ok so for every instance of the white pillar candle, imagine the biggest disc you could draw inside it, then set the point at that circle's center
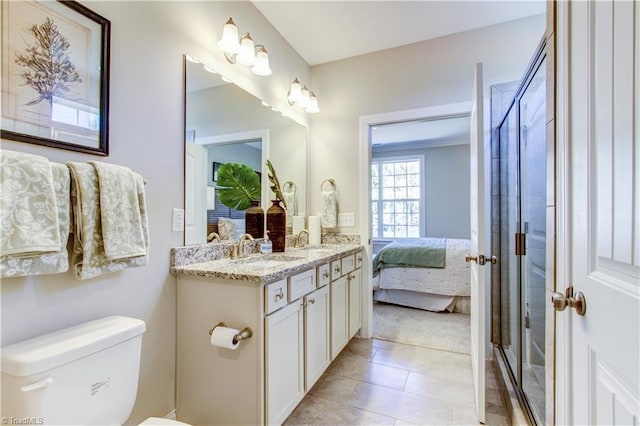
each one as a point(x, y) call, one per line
point(314, 229)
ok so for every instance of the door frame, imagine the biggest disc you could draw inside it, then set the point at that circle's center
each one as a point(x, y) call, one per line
point(365, 124)
point(562, 397)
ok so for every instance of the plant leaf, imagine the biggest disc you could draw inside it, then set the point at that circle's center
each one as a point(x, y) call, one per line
point(275, 184)
point(238, 185)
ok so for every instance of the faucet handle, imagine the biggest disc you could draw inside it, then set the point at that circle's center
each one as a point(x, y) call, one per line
point(233, 251)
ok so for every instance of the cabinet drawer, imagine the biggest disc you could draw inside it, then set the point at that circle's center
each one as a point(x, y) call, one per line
point(301, 284)
point(359, 259)
point(275, 296)
point(348, 263)
point(323, 275)
point(336, 269)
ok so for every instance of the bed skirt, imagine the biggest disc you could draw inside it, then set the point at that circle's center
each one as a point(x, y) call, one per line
point(426, 301)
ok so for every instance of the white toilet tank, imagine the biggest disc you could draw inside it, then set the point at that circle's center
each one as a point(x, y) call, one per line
point(82, 375)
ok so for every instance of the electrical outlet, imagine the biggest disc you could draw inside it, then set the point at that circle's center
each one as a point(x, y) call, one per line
point(346, 219)
point(177, 220)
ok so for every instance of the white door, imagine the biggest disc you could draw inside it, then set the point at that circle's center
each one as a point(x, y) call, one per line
point(195, 198)
point(477, 241)
point(599, 197)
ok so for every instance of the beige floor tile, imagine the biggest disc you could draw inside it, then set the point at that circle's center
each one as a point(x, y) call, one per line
point(441, 388)
point(364, 348)
point(355, 367)
point(333, 387)
point(401, 405)
point(319, 411)
point(465, 415)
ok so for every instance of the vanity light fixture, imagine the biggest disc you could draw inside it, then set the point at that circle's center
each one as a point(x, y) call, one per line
point(300, 96)
point(245, 51)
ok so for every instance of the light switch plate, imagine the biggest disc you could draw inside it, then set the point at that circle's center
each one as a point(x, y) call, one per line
point(177, 220)
point(346, 219)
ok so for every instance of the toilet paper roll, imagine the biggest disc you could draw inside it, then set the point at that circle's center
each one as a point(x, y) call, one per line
point(298, 224)
point(314, 229)
point(223, 337)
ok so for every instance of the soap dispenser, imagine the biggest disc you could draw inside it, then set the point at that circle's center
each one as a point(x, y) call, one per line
point(266, 246)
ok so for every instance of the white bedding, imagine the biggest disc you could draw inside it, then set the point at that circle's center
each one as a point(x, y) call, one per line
point(452, 280)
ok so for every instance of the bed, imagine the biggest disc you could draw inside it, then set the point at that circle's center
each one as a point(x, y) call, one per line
point(425, 273)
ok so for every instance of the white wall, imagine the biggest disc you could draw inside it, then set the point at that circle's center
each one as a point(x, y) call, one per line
point(146, 134)
point(430, 73)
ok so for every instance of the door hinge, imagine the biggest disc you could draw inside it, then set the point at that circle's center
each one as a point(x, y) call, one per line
point(521, 244)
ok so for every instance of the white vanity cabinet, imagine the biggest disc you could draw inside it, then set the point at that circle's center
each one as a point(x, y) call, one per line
point(300, 323)
point(346, 300)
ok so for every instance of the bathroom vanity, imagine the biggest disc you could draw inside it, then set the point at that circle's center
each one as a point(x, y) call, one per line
point(303, 306)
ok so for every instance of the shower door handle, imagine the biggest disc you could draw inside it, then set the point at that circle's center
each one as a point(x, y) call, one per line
point(561, 301)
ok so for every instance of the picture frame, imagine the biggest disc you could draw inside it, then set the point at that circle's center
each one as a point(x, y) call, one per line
point(216, 166)
point(67, 108)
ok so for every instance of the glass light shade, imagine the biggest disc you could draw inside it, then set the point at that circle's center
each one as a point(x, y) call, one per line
point(229, 41)
point(304, 99)
point(261, 66)
point(312, 108)
point(295, 92)
point(247, 53)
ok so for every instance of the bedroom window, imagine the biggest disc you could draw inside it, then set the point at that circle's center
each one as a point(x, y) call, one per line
point(396, 197)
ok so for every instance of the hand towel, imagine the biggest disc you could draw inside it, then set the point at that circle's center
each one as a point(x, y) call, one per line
point(289, 195)
point(88, 255)
point(329, 208)
point(52, 262)
point(119, 212)
point(28, 209)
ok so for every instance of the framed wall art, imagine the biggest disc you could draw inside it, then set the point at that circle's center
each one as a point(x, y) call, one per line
point(55, 75)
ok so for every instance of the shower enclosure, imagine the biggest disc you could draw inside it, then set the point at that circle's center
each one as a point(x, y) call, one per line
point(520, 198)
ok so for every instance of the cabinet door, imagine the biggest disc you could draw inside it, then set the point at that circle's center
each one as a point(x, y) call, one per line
point(316, 341)
point(355, 301)
point(339, 316)
point(284, 362)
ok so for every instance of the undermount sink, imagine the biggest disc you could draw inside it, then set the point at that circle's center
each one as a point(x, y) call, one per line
point(268, 260)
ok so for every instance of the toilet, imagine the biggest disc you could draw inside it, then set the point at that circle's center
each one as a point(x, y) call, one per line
point(82, 375)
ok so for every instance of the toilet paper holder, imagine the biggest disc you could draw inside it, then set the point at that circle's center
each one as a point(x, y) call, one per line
point(244, 334)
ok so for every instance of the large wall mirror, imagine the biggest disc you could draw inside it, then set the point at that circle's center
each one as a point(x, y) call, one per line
point(226, 124)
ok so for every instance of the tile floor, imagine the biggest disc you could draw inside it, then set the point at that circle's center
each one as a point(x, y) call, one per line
point(375, 382)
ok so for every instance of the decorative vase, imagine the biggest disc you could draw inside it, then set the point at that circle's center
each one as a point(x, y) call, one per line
point(277, 225)
point(254, 220)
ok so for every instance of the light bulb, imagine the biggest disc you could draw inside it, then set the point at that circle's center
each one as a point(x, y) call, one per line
point(312, 108)
point(295, 92)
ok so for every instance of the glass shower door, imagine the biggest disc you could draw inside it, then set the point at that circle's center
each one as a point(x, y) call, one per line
point(523, 239)
point(533, 181)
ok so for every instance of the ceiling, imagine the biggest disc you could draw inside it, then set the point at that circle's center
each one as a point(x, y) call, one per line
point(326, 31)
point(438, 132)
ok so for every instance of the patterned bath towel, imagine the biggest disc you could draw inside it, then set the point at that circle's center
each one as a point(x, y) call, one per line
point(89, 257)
point(28, 208)
point(51, 262)
point(122, 229)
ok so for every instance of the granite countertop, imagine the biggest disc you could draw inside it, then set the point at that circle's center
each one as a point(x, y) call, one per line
point(265, 268)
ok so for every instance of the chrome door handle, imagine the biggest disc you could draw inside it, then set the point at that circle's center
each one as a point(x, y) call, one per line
point(561, 301)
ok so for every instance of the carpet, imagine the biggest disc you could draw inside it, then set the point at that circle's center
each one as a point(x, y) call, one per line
point(435, 330)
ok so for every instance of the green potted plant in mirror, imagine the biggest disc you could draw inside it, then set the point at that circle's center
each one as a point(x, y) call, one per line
point(276, 213)
point(239, 188)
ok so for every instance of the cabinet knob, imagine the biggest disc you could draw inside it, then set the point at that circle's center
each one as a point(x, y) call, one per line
point(336, 269)
point(312, 301)
point(325, 274)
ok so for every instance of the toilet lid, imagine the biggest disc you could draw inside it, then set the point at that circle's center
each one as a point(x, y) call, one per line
point(159, 421)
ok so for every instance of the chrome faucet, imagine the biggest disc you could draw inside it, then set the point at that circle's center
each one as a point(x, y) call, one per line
point(213, 237)
point(243, 239)
point(299, 238)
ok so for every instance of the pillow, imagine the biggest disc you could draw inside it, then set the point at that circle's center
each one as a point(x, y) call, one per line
point(230, 229)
